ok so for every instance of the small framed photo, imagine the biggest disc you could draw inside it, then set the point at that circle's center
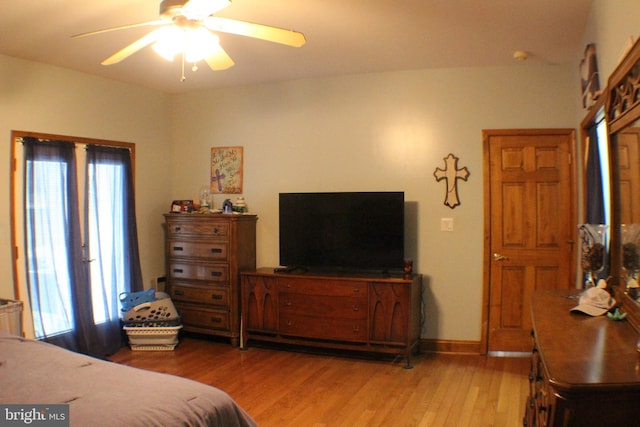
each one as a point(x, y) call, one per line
point(180, 206)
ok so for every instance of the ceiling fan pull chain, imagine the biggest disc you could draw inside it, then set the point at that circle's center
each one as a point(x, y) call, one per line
point(183, 78)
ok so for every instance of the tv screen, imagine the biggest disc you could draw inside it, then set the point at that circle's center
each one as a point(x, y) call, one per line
point(345, 230)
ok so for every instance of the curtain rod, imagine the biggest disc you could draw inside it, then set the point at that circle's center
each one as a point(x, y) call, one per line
point(19, 140)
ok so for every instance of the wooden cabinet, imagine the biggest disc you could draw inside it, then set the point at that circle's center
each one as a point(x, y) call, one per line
point(584, 370)
point(205, 253)
point(372, 313)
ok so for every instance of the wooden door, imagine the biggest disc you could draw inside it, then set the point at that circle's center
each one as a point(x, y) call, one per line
point(530, 228)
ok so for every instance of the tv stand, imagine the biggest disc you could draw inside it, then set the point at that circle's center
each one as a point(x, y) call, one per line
point(347, 311)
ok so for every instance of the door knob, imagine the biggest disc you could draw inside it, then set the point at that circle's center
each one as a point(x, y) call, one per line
point(499, 257)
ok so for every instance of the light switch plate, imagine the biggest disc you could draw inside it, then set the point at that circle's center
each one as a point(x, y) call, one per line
point(446, 224)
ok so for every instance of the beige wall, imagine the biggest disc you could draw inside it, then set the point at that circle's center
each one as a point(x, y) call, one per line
point(39, 98)
point(612, 23)
point(366, 132)
point(377, 132)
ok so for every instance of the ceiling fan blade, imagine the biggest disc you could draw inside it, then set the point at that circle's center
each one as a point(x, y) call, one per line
point(203, 8)
point(122, 27)
point(257, 31)
point(219, 60)
point(133, 47)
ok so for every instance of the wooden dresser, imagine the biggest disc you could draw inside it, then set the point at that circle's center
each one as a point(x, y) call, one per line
point(585, 371)
point(204, 256)
point(372, 313)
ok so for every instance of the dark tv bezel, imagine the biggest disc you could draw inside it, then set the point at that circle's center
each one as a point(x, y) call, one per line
point(395, 266)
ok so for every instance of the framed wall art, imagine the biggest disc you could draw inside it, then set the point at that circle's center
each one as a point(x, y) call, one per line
point(226, 170)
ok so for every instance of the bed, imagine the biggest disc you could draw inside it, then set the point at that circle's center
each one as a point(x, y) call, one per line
point(103, 393)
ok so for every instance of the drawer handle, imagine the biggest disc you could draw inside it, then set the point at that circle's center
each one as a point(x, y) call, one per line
point(215, 230)
point(289, 323)
point(356, 290)
point(178, 292)
point(288, 303)
point(356, 308)
point(216, 320)
point(356, 329)
point(216, 296)
point(216, 250)
point(178, 248)
point(177, 229)
point(216, 273)
point(178, 270)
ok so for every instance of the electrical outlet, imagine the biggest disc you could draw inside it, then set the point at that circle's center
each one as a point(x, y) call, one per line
point(446, 224)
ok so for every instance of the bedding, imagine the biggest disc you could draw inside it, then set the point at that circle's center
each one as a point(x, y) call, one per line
point(103, 393)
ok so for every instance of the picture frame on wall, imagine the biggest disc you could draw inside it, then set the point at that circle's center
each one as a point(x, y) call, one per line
point(226, 170)
point(589, 78)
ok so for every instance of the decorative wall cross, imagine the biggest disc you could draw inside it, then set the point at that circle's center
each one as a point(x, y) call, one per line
point(217, 177)
point(451, 174)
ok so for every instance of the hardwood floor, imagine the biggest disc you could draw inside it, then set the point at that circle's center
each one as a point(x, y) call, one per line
point(297, 388)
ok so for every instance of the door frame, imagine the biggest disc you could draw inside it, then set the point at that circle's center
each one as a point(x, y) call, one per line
point(16, 219)
point(486, 164)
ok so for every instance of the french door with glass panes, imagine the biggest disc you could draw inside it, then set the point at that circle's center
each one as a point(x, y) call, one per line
point(71, 267)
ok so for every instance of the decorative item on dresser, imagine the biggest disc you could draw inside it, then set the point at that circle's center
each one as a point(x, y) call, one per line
point(584, 370)
point(205, 253)
point(377, 313)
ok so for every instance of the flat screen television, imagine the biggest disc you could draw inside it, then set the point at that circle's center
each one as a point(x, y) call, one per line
point(342, 231)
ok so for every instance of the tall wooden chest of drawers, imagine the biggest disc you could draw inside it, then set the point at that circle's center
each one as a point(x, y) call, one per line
point(205, 254)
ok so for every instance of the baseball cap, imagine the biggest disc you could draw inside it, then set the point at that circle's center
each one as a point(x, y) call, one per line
point(594, 302)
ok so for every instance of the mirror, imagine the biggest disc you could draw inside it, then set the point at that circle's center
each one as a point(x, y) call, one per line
point(626, 144)
point(622, 110)
point(596, 197)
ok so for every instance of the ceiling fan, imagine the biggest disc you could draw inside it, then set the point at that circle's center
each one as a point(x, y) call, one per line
point(187, 28)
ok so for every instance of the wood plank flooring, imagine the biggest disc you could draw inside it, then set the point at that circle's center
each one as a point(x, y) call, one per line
point(282, 388)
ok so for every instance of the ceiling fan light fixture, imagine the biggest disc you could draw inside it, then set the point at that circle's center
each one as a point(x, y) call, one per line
point(170, 42)
point(195, 43)
point(199, 43)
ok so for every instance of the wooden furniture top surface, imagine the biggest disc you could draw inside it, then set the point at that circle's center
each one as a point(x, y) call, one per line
point(400, 278)
point(583, 353)
point(209, 216)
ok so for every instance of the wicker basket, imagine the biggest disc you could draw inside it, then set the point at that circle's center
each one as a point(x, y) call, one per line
point(158, 313)
point(11, 316)
point(152, 338)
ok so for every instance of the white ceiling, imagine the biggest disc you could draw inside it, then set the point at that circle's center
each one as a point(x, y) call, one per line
point(343, 37)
